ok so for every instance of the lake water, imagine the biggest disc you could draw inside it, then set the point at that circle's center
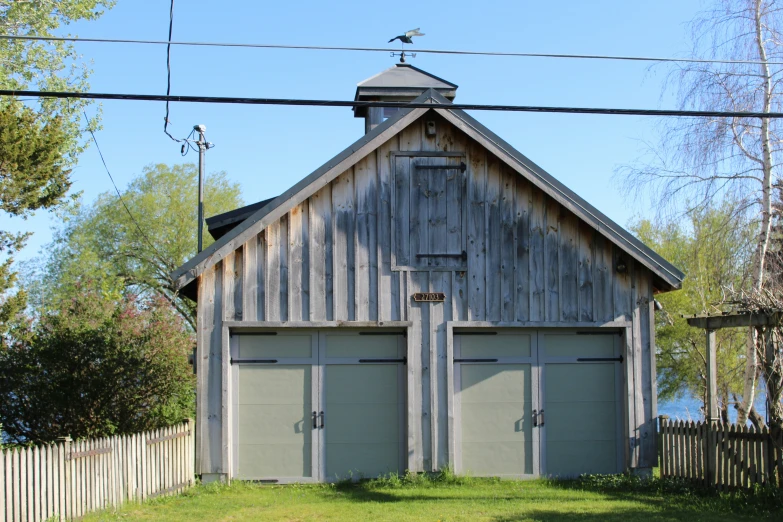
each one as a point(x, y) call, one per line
point(687, 408)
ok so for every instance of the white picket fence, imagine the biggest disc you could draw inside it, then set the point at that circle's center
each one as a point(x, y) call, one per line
point(68, 479)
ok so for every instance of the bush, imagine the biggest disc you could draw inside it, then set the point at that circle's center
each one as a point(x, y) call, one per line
point(98, 367)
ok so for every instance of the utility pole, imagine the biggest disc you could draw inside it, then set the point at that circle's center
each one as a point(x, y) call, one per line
point(203, 145)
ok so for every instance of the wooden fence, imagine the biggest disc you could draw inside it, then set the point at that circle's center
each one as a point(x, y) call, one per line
point(722, 456)
point(71, 478)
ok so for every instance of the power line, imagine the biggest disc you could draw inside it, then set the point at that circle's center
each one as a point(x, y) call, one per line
point(389, 50)
point(119, 194)
point(168, 73)
point(400, 104)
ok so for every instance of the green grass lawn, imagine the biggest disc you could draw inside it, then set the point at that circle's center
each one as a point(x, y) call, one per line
point(451, 498)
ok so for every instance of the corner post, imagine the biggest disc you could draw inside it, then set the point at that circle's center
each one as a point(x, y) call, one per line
point(712, 405)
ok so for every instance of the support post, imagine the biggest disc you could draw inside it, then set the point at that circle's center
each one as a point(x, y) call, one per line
point(712, 406)
point(202, 148)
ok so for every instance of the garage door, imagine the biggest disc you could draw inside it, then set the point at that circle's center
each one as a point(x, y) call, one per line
point(537, 403)
point(318, 405)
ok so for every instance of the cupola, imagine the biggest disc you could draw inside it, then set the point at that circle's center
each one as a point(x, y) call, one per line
point(403, 82)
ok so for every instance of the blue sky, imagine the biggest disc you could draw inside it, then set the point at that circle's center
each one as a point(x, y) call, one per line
point(268, 149)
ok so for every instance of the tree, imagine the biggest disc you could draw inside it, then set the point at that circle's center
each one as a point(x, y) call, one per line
point(100, 366)
point(32, 176)
point(701, 160)
point(38, 143)
point(714, 256)
point(107, 250)
point(48, 65)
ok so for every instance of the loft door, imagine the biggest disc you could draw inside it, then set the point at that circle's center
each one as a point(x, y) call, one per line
point(428, 211)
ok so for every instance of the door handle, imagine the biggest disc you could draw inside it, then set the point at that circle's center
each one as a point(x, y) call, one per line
point(315, 424)
point(542, 418)
point(322, 420)
point(535, 419)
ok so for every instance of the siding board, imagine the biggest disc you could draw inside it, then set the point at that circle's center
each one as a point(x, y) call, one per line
point(477, 184)
point(366, 183)
point(569, 246)
point(507, 245)
point(343, 249)
point(522, 241)
point(492, 234)
point(552, 261)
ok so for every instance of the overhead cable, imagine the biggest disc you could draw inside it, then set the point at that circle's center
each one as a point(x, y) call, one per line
point(119, 194)
point(400, 104)
point(168, 73)
point(390, 50)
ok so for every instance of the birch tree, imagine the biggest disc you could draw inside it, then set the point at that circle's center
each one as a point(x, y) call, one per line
point(699, 161)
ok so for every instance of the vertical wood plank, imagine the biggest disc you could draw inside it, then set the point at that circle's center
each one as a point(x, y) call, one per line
point(250, 280)
point(320, 234)
point(603, 304)
point(343, 249)
point(437, 214)
point(418, 229)
point(261, 275)
point(552, 261)
point(229, 286)
point(440, 313)
point(299, 264)
point(401, 212)
point(586, 253)
point(508, 246)
point(569, 266)
point(366, 185)
point(388, 281)
point(272, 290)
point(537, 266)
point(285, 265)
point(477, 186)
point(522, 204)
point(492, 235)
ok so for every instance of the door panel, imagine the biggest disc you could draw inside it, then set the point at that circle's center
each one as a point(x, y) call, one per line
point(580, 401)
point(283, 346)
point(362, 404)
point(274, 421)
point(496, 417)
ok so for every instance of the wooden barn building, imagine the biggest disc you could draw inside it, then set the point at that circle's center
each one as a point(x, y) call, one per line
point(428, 298)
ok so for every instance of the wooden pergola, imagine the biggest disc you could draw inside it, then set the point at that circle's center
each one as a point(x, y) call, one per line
point(712, 323)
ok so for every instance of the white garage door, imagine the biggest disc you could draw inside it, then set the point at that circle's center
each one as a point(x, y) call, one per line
point(533, 403)
point(318, 405)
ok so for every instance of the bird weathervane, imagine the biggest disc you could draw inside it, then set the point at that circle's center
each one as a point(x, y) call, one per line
point(406, 38)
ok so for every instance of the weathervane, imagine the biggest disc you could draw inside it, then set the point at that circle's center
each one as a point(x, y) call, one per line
point(406, 39)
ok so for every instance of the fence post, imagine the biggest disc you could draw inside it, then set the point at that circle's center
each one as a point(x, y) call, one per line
point(66, 479)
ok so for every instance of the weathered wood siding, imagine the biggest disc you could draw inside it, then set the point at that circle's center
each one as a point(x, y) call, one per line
point(529, 260)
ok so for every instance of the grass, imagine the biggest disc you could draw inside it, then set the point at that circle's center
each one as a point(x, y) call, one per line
point(444, 497)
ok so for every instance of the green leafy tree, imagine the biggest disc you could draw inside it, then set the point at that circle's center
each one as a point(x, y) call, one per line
point(714, 252)
point(39, 142)
point(32, 176)
point(48, 65)
point(100, 366)
point(103, 248)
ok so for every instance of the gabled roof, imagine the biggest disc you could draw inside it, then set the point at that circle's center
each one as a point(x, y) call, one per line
point(219, 224)
point(403, 81)
point(667, 276)
point(405, 75)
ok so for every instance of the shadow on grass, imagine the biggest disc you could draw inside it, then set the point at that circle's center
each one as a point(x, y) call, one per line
point(674, 495)
point(670, 499)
